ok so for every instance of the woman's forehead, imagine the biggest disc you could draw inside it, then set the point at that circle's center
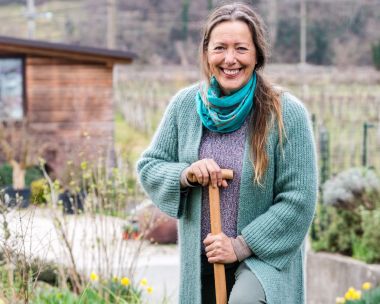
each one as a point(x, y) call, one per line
point(231, 31)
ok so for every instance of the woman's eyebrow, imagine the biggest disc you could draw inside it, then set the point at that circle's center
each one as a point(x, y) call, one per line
point(224, 43)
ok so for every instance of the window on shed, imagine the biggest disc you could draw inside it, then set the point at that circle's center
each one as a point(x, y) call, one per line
point(11, 88)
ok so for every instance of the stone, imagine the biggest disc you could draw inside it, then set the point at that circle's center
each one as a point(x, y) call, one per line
point(156, 226)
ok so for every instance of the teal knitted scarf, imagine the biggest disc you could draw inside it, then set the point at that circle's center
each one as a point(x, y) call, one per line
point(225, 114)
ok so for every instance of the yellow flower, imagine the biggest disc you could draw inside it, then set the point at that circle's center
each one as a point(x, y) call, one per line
point(83, 165)
point(125, 281)
point(340, 300)
point(94, 277)
point(41, 161)
point(353, 294)
point(144, 282)
point(86, 175)
point(366, 286)
point(56, 184)
point(115, 279)
point(349, 294)
point(358, 295)
point(149, 289)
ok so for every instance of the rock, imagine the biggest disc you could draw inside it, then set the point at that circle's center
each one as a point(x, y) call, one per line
point(156, 226)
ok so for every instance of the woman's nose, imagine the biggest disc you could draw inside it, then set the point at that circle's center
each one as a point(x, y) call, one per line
point(230, 57)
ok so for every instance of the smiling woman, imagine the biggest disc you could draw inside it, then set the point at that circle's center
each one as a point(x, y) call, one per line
point(236, 119)
point(231, 55)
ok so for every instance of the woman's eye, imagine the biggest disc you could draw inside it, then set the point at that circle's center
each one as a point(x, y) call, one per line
point(242, 49)
point(219, 48)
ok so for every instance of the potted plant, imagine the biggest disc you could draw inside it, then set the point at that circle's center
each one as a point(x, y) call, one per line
point(72, 202)
point(73, 190)
point(131, 230)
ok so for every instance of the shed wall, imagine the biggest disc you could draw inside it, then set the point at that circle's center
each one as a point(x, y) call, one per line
point(69, 107)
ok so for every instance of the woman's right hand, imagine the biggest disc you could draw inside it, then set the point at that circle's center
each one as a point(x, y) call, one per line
point(205, 171)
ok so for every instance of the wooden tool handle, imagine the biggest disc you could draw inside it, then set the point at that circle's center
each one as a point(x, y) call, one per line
point(215, 220)
point(216, 227)
point(226, 174)
point(220, 284)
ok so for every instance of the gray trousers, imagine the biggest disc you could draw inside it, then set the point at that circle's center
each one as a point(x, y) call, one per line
point(242, 285)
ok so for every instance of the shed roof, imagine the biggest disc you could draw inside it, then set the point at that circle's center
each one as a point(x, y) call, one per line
point(20, 46)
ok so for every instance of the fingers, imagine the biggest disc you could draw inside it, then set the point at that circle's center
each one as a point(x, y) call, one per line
point(204, 175)
point(214, 249)
point(224, 183)
point(207, 171)
point(219, 249)
point(215, 173)
point(210, 239)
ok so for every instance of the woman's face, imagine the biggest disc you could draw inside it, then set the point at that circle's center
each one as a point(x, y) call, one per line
point(231, 55)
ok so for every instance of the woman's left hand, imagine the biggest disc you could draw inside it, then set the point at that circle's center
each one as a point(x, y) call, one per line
point(219, 249)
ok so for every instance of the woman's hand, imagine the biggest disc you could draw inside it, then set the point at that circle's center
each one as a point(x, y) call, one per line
point(206, 170)
point(219, 249)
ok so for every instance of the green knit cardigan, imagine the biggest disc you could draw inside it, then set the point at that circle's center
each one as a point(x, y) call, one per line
point(273, 218)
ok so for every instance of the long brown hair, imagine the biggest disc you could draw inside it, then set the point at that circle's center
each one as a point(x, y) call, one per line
point(267, 104)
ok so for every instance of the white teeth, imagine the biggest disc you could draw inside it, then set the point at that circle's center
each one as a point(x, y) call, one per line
point(231, 72)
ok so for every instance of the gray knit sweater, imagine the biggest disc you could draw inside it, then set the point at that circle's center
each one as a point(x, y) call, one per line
point(227, 150)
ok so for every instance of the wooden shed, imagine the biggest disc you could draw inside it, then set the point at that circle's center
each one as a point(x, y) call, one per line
point(63, 92)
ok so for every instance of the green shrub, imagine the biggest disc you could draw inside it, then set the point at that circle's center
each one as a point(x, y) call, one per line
point(54, 296)
point(376, 55)
point(343, 230)
point(96, 292)
point(368, 249)
point(32, 174)
point(5, 175)
point(352, 188)
point(347, 222)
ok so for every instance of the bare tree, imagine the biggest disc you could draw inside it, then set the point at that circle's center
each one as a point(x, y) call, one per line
point(15, 145)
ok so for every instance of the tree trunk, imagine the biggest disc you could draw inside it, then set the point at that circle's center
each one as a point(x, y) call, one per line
point(185, 18)
point(180, 47)
point(18, 175)
point(272, 20)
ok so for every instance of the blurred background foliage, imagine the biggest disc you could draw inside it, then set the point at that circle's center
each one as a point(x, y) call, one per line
point(168, 31)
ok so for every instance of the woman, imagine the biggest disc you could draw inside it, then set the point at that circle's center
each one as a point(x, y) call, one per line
point(236, 119)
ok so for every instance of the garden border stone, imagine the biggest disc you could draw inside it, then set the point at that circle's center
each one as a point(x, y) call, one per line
point(330, 275)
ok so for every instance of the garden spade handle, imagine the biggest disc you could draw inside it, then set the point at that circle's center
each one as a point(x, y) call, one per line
point(216, 227)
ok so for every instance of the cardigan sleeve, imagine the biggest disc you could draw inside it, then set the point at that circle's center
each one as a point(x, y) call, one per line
point(276, 235)
point(158, 168)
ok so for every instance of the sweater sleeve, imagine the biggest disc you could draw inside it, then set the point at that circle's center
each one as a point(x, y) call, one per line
point(158, 168)
point(276, 235)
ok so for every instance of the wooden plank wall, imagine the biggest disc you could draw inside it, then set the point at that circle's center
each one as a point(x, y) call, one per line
point(69, 108)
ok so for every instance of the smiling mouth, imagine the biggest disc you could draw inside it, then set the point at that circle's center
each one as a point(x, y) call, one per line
point(231, 72)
